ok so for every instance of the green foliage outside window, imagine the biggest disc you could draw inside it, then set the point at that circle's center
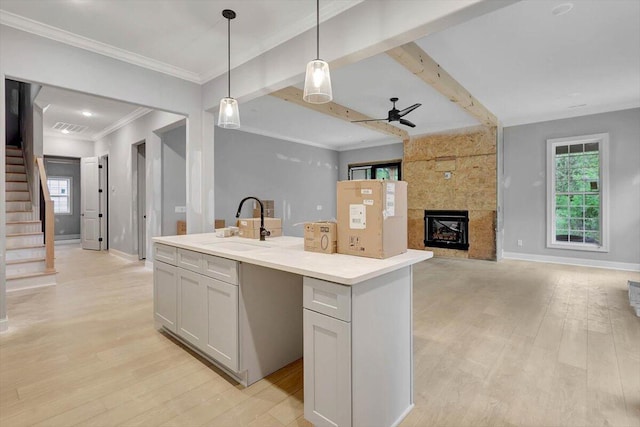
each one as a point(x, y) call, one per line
point(577, 193)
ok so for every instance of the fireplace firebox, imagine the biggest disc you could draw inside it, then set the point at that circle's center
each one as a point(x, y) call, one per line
point(446, 229)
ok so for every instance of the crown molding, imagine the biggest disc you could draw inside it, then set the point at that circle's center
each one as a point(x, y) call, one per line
point(134, 115)
point(43, 30)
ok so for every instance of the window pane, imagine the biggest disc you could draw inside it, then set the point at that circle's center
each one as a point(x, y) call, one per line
point(592, 146)
point(562, 185)
point(576, 237)
point(562, 212)
point(576, 148)
point(562, 236)
point(576, 212)
point(592, 237)
point(592, 212)
point(562, 223)
point(576, 224)
point(562, 201)
point(562, 149)
point(577, 200)
point(592, 224)
point(592, 200)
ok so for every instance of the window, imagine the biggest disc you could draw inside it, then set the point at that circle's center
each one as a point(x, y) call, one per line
point(385, 170)
point(60, 192)
point(577, 196)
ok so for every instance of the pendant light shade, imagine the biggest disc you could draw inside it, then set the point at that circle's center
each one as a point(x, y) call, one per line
point(229, 115)
point(317, 81)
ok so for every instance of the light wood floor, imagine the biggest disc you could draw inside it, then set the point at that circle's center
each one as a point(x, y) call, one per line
point(510, 343)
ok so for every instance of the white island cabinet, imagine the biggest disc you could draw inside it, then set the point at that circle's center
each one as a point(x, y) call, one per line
point(253, 307)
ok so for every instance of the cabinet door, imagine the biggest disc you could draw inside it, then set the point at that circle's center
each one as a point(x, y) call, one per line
point(222, 323)
point(192, 307)
point(327, 370)
point(164, 295)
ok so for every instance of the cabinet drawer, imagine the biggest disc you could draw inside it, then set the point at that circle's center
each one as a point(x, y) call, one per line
point(327, 298)
point(222, 269)
point(165, 253)
point(190, 260)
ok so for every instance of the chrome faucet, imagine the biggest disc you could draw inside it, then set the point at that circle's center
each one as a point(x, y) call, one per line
point(263, 231)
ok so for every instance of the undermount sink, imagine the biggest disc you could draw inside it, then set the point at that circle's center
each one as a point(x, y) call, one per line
point(237, 246)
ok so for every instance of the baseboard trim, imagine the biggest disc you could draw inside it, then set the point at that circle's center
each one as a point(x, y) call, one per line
point(124, 255)
point(67, 242)
point(582, 262)
point(4, 324)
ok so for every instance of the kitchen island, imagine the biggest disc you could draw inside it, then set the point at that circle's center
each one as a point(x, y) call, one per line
point(252, 307)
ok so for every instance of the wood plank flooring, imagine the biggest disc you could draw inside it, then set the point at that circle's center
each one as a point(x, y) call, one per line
point(509, 343)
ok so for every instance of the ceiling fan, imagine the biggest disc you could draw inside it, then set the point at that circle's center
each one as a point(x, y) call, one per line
point(395, 115)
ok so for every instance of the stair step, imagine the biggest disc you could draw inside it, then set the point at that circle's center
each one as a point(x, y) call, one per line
point(20, 177)
point(12, 151)
point(17, 196)
point(10, 160)
point(31, 280)
point(24, 240)
point(17, 186)
point(15, 169)
point(26, 266)
point(19, 216)
point(16, 227)
point(19, 206)
point(34, 251)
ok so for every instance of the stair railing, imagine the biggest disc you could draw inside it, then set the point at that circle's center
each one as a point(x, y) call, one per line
point(48, 221)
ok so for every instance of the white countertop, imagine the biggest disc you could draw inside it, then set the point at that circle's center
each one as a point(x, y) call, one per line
point(287, 254)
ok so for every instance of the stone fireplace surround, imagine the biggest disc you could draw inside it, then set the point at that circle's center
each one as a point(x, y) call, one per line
point(468, 158)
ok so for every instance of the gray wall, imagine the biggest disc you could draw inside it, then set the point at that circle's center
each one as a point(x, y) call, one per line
point(363, 155)
point(301, 179)
point(524, 184)
point(67, 226)
point(174, 178)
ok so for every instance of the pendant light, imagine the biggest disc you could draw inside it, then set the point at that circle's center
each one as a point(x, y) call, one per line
point(317, 81)
point(229, 116)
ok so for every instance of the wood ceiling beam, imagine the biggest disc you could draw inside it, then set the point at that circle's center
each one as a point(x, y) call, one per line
point(294, 95)
point(416, 60)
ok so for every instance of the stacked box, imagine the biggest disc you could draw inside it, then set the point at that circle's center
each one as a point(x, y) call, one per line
point(218, 223)
point(181, 228)
point(372, 218)
point(250, 227)
point(269, 209)
point(634, 296)
point(320, 237)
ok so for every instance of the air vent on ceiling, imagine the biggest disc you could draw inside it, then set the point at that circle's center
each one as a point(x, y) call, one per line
point(69, 128)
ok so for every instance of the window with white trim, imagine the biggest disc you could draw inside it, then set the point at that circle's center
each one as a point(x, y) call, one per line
point(577, 193)
point(60, 192)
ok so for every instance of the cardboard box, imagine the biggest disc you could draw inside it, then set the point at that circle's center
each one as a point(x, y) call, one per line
point(250, 227)
point(372, 218)
point(269, 209)
point(321, 237)
point(218, 223)
point(182, 228)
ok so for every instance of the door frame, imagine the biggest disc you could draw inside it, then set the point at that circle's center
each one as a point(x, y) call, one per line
point(139, 193)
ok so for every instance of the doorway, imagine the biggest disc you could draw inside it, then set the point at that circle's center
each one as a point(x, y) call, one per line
point(141, 194)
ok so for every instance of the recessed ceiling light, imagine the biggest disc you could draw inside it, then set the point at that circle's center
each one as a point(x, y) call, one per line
point(87, 113)
point(561, 9)
point(64, 131)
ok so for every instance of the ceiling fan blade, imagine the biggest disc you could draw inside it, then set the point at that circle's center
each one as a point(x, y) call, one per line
point(408, 110)
point(407, 122)
point(368, 120)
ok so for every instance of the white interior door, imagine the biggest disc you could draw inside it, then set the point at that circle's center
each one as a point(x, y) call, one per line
point(90, 202)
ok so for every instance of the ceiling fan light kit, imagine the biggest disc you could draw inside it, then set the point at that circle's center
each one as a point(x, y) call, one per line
point(228, 114)
point(317, 81)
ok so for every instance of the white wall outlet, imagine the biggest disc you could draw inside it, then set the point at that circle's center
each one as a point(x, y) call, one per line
point(447, 175)
point(519, 243)
point(181, 209)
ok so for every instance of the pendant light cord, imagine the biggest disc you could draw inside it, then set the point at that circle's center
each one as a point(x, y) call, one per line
point(317, 29)
point(228, 58)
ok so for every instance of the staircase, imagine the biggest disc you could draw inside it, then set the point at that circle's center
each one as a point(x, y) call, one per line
point(25, 249)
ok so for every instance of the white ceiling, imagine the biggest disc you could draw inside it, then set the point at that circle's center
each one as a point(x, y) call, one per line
point(66, 106)
point(522, 62)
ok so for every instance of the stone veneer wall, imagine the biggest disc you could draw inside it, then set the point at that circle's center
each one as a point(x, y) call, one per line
point(470, 156)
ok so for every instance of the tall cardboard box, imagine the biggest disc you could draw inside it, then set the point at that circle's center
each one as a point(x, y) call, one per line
point(250, 227)
point(320, 237)
point(269, 209)
point(372, 218)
